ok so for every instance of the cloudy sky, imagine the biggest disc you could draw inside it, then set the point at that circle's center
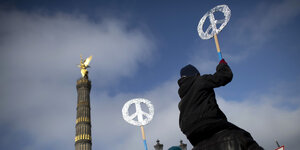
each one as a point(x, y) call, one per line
point(138, 48)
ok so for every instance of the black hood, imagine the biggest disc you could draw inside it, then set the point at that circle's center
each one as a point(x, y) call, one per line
point(188, 71)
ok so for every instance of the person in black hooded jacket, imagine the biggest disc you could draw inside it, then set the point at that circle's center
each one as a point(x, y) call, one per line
point(201, 119)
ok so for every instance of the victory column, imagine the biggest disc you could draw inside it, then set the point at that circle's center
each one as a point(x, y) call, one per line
point(83, 136)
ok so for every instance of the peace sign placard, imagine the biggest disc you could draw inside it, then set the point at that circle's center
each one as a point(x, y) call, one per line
point(212, 28)
point(143, 117)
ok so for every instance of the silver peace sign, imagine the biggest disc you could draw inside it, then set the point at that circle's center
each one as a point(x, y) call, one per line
point(212, 29)
point(139, 112)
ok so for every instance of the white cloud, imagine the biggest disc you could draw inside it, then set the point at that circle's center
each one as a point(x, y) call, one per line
point(264, 120)
point(45, 46)
point(39, 55)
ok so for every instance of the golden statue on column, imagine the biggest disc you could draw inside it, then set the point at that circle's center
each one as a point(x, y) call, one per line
point(84, 64)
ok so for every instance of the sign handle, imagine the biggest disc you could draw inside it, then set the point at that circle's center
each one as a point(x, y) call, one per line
point(277, 143)
point(144, 138)
point(218, 47)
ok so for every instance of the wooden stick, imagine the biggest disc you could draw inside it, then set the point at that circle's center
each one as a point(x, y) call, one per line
point(144, 137)
point(218, 47)
point(143, 132)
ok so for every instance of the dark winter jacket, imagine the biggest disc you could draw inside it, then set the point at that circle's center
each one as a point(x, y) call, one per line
point(200, 115)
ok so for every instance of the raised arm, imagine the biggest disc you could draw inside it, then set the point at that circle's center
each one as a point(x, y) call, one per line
point(222, 76)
